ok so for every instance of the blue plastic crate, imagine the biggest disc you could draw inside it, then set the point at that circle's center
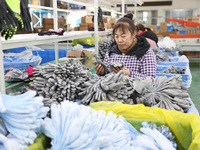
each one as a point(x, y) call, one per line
point(47, 55)
point(185, 77)
point(85, 46)
point(161, 68)
point(181, 31)
point(182, 64)
point(16, 50)
point(170, 28)
point(174, 61)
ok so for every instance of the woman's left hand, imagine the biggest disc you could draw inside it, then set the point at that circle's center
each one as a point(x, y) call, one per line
point(127, 71)
point(117, 69)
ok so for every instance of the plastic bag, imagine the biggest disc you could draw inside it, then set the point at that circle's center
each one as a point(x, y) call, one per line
point(21, 60)
point(167, 42)
point(184, 126)
point(86, 41)
point(15, 75)
point(78, 47)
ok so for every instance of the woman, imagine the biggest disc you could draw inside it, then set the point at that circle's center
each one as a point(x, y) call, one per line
point(146, 32)
point(139, 59)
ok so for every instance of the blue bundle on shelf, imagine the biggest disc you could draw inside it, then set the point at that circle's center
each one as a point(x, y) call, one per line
point(47, 55)
point(186, 78)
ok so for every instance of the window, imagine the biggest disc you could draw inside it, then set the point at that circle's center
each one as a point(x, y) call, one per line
point(147, 17)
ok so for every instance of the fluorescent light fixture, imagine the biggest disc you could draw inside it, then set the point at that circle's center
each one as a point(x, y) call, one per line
point(139, 2)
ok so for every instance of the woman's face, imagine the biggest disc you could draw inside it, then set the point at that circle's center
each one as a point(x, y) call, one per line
point(124, 39)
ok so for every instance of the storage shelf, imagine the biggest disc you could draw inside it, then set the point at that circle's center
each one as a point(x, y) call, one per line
point(21, 40)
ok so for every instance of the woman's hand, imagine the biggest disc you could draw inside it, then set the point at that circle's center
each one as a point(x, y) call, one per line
point(99, 70)
point(127, 71)
point(117, 69)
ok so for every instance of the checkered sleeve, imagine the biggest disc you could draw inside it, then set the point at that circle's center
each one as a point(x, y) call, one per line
point(148, 66)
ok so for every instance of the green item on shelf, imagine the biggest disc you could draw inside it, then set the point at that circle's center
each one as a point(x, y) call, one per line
point(42, 142)
point(86, 41)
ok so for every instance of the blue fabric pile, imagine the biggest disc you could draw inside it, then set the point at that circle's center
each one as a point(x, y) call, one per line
point(154, 138)
point(20, 120)
point(74, 126)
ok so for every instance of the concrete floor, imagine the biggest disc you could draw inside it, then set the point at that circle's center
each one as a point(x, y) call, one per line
point(194, 90)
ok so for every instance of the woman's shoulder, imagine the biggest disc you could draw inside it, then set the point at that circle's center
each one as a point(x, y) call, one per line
point(149, 53)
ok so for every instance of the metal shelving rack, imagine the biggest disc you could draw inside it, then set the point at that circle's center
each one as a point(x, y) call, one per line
point(34, 39)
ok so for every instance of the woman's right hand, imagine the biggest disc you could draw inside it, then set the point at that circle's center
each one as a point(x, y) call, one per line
point(99, 70)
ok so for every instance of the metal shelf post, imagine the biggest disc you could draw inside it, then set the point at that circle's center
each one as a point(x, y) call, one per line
point(96, 25)
point(2, 80)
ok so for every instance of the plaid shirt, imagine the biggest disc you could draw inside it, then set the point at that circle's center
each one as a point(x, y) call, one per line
point(141, 68)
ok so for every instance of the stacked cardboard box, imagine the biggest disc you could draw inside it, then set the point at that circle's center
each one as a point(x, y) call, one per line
point(193, 31)
point(76, 28)
point(112, 22)
point(153, 28)
point(38, 29)
point(194, 19)
point(77, 54)
point(191, 54)
point(163, 27)
point(86, 23)
point(86, 19)
point(105, 19)
point(63, 5)
point(48, 23)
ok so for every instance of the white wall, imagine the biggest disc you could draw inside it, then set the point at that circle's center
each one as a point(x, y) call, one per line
point(176, 4)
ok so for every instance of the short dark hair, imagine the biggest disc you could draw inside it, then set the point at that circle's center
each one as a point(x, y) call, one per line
point(140, 27)
point(125, 23)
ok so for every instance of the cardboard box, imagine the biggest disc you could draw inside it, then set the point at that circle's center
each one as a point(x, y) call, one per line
point(112, 25)
point(153, 28)
point(191, 54)
point(86, 19)
point(163, 26)
point(112, 20)
point(84, 25)
point(194, 19)
point(76, 28)
point(91, 25)
point(105, 19)
point(167, 33)
point(78, 54)
point(106, 25)
point(38, 29)
point(83, 28)
point(50, 21)
point(109, 25)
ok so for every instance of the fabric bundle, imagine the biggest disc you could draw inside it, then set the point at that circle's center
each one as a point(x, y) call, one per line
point(58, 82)
point(111, 87)
point(159, 56)
point(74, 126)
point(172, 69)
point(21, 119)
point(168, 93)
point(103, 48)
